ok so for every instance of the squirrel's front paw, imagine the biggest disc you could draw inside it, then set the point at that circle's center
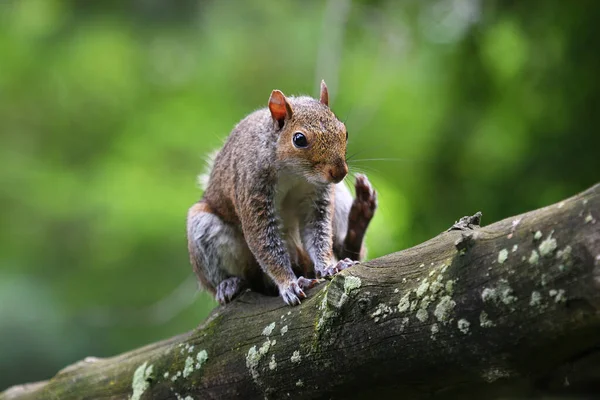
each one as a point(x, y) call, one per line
point(346, 263)
point(291, 292)
point(334, 269)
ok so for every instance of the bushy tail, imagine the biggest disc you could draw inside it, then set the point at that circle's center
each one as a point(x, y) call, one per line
point(205, 175)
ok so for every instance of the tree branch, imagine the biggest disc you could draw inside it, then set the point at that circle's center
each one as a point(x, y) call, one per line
point(510, 309)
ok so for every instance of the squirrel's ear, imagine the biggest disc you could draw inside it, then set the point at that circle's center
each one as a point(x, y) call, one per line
point(324, 94)
point(280, 108)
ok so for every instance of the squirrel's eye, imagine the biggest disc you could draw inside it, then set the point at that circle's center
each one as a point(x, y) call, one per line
point(346, 136)
point(300, 140)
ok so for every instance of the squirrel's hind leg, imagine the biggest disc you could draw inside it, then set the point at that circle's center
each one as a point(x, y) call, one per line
point(352, 217)
point(218, 253)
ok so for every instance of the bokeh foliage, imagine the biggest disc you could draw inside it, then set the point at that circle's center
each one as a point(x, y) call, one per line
point(107, 110)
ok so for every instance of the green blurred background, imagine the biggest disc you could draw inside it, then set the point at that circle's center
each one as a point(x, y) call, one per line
point(108, 108)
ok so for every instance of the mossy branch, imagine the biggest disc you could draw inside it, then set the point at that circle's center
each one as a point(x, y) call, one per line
point(510, 309)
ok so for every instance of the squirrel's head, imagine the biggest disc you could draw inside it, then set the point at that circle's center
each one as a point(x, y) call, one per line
point(312, 141)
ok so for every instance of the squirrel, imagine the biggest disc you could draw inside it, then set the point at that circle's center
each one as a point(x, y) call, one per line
point(275, 213)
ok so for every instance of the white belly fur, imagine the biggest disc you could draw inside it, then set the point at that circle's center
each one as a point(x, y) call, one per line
point(292, 200)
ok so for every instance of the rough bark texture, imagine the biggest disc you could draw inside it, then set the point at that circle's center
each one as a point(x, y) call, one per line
point(510, 309)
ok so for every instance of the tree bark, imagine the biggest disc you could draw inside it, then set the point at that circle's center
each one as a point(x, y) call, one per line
point(510, 309)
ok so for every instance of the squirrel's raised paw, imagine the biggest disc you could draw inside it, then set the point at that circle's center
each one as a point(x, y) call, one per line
point(365, 203)
point(291, 293)
point(361, 212)
point(228, 289)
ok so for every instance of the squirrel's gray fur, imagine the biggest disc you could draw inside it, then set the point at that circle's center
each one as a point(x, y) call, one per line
point(271, 207)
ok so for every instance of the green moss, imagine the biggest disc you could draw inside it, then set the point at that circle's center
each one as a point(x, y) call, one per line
point(534, 257)
point(536, 299)
point(264, 349)
point(558, 295)
point(422, 288)
point(189, 367)
point(485, 321)
point(425, 302)
point(284, 330)
point(436, 286)
point(351, 283)
point(502, 293)
point(414, 304)
point(326, 314)
point(381, 312)
point(444, 308)
point(141, 380)
point(493, 374)
point(252, 359)
point(450, 287)
point(175, 376)
point(201, 358)
point(564, 255)
point(502, 256)
point(212, 327)
point(434, 329)
point(537, 235)
point(488, 294)
point(422, 315)
point(506, 295)
point(268, 329)
point(272, 363)
point(404, 303)
point(463, 325)
point(296, 358)
point(548, 246)
point(254, 356)
point(404, 323)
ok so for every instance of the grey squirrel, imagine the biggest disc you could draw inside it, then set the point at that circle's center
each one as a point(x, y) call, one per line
point(275, 212)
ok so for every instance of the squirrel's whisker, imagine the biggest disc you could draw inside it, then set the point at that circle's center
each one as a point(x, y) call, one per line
point(380, 159)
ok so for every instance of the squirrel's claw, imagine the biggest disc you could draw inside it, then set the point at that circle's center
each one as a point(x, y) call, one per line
point(292, 293)
point(228, 289)
point(329, 271)
point(306, 283)
point(345, 263)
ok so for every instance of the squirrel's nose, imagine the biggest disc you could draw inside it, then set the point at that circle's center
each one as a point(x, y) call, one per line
point(338, 173)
